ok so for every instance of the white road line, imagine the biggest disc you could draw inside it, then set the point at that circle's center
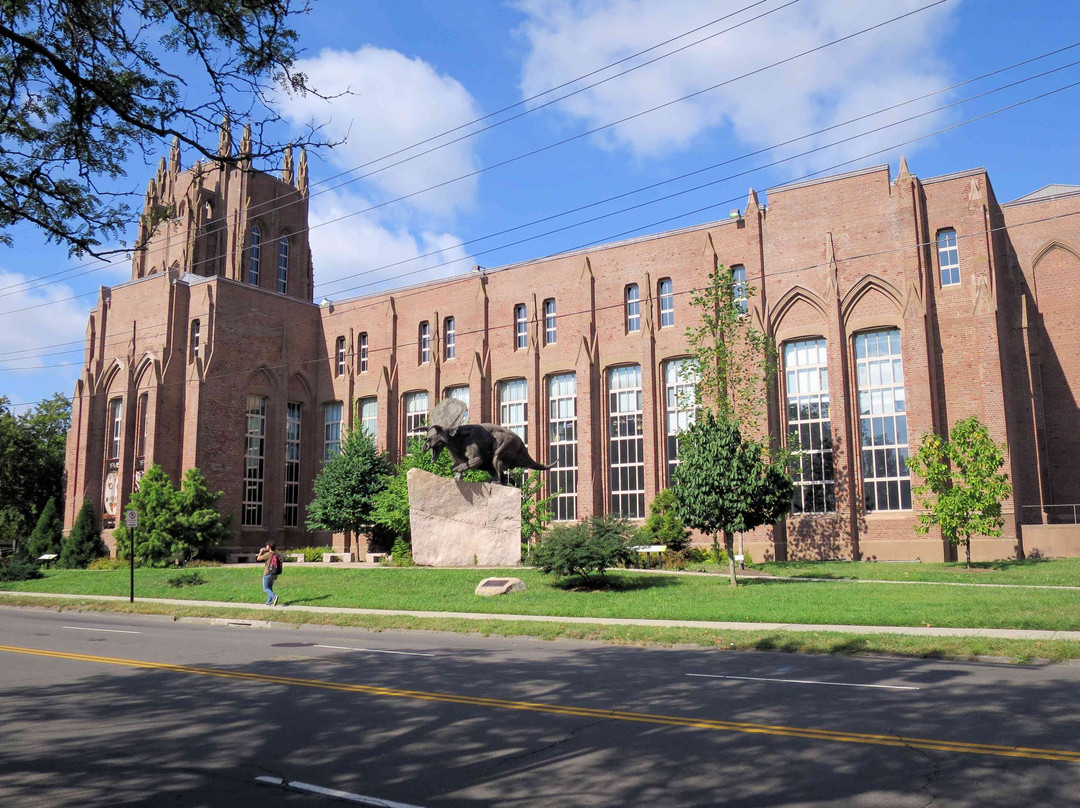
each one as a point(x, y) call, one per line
point(374, 650)
point(802, 681)
point(296, 785)
point(109, 630)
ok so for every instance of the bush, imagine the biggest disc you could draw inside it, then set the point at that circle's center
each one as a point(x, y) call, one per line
point(664, 526)
point(186, 579)
point(204, 562)
point(108, 564)
point(16, 568)
point(579, 549)
point(696, 555)
point(314, 553)
point(49, 532)
point(84, 543)
point(401, 554)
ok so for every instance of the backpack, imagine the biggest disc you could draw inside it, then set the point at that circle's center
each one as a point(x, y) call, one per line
point(275, 564)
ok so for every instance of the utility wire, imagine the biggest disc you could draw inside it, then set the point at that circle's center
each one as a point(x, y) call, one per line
point(679, 193)
point(498, 112)
point(573, 138)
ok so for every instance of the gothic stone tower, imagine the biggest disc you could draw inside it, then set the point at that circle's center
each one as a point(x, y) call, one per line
point(218, 311)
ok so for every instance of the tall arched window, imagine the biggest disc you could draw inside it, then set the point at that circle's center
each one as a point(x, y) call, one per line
point(253, 256)
point(283, 265)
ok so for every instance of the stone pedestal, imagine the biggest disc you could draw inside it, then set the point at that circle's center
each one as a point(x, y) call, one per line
point(459, 524)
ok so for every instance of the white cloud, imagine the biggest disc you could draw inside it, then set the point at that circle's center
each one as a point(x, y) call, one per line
point(391, 102)
point(22, 375)
point(567, 38)
point(352, 256)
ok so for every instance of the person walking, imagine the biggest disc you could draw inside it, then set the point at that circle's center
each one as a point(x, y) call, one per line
point(271, 570)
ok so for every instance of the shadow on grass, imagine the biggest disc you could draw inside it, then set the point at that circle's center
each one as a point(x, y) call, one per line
point(297, 601)
point(619, 583)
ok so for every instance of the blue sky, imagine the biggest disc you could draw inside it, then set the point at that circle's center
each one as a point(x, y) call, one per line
point(413, 70)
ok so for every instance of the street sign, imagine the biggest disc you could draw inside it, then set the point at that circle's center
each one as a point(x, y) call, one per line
point(131, 518)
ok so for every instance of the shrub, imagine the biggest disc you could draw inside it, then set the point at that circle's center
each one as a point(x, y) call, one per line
point(174, 525)
point(84, 543)
point(49, 532)
point(401, 554)
point(314, 553)
point(588, 546)
point(664, 525)
point(108, 564)
point(696, 555)
point(16, 568)
point(204, 562)
point(186, 579)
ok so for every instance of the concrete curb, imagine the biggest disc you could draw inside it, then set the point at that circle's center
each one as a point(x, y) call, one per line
point(917, 631)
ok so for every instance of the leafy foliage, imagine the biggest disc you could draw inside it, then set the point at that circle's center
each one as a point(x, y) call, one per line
point(86, 82)
point(535, 509)
point(192, 578)
point(581, 548)
point(347, 486)
point(84, 543)
point(730, 358)
point(49, 532)
point(962, 485)
point(174, 526)
point(725, 483)
point(391, 504)
point(32, 447)
point(314, 553)
point(664, 525)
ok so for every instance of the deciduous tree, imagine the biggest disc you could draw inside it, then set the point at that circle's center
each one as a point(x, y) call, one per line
point(726, 484)
point(962, 486)
point(83, 83)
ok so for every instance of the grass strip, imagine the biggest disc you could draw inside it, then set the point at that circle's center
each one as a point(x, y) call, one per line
point(823, 642)
point(626, 594)
point(1030, 572)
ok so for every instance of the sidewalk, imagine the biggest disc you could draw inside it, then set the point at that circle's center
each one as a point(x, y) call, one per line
point(924, 631)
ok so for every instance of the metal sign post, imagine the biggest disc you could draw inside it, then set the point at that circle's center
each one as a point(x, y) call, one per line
point(131, 519)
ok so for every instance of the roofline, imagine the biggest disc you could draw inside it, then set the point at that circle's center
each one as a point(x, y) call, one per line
point(831, 178)
point(1053, 198)
point(970, 172)
point(544, 259)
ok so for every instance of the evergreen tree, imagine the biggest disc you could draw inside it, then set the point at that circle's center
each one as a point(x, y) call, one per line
point(84, 543)
point(201, 525)
point(347, 485)
point(49, 532)
point(174, 526)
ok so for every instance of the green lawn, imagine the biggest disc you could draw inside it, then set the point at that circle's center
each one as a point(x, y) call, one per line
point(1035, 572)
point(631, 595)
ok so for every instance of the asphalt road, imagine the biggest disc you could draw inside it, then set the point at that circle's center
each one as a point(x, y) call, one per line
point(101, 710)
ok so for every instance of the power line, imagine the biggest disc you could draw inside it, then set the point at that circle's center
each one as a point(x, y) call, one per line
point(714, 182)
point(580, 312)
point(497, 112)
point(570, 139)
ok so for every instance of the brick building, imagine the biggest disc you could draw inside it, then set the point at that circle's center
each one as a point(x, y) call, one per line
point(899, 306)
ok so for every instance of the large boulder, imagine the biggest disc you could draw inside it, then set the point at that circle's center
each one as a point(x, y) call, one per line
point(460, 524)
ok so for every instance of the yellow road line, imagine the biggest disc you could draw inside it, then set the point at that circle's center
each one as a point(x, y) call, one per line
point(1031, 753)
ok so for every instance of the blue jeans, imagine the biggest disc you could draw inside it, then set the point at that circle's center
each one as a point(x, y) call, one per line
point(268, 587)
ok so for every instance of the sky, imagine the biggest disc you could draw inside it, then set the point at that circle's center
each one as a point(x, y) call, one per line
point(532, 143)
